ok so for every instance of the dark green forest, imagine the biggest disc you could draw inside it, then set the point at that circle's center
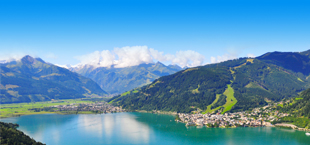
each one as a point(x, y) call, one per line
point(9, 135)
point(299, 108)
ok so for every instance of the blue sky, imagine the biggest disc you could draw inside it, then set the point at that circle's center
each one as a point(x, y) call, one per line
point(61, 32)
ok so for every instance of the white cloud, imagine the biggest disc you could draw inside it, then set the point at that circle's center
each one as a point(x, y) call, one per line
point(135, 55)
point(131, 56)
point(98, 59)
point(225, 57)
point(158, 55)
point(213, 59)
point(11, 56)
point(188, 58)
point(251, 55)
point(51, 55)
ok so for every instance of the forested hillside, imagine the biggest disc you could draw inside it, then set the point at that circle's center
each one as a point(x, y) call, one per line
point(183, 91)
point(32, 79)
point(234, 85)
point(299, 106)
point(296, 62)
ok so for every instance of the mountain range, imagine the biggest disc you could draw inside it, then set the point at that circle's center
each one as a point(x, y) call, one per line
point(31, 79)
point(119, 80)
point(234, 85)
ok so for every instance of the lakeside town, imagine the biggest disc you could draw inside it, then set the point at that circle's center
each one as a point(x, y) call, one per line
point(257, 117)
point(98, 107)
point(245, 119)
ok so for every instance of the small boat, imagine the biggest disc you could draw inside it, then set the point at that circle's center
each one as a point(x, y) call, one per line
point(308, 133)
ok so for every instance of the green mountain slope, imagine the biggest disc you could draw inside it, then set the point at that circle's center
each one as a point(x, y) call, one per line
point(31, 79)
point(296, 62)
point(183, 91)
point(300, 106)
point(119, 80)
point(243, 83)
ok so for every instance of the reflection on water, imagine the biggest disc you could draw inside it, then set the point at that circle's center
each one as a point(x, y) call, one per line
point(134, 130)
point(108, 122)
point(111, 125)
point(143, 128)
point(91, 124)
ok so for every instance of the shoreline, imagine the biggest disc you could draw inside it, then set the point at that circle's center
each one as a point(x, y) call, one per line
point(290, 126)
point(278, 125)
point(60, 113)
point(157, 112)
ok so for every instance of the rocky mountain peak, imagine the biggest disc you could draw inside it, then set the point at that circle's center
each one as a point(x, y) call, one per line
point(28, 59)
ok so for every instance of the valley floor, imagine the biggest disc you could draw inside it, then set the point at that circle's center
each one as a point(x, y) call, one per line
point(56, 106)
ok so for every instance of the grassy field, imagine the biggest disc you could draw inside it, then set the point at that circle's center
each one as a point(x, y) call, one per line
point(11, 110)
point(126, 93)
point(300, 80)
point(209, 107)
point(230, 100)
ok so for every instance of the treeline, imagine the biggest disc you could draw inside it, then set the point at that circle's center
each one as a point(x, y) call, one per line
point(9, 135)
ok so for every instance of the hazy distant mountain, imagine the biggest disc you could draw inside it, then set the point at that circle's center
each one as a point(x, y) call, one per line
point(32, 79)
point(119, 80)
point(234, 85)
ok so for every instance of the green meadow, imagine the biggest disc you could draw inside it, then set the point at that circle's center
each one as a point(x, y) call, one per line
point(209, 110)
point(12, 110)
point(230, 101)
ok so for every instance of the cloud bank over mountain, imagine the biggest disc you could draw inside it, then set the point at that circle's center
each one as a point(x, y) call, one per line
point(135, 55)
point(131, 56)
point(228, 56)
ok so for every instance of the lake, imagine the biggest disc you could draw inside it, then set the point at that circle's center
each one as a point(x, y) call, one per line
point(144, 128)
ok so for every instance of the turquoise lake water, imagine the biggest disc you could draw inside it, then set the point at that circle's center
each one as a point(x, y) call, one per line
point(144, 128)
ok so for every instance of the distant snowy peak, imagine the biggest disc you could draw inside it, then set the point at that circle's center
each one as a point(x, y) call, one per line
point(30, 59)
point(87, 66)
point(26, 59)
point(68, 66)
